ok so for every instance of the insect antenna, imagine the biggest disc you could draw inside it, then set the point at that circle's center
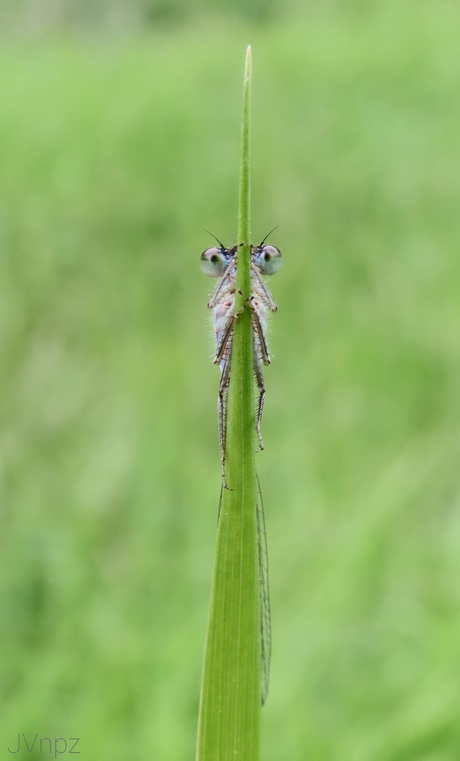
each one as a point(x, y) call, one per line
point(262, 242)
point(217, 239)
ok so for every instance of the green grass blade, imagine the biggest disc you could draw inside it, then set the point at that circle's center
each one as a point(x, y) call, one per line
point(230, 694)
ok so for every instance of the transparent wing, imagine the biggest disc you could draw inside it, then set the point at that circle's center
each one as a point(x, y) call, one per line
point(264, 594)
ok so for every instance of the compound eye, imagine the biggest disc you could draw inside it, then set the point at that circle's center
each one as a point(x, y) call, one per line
point(268, 259)
point(214, 261)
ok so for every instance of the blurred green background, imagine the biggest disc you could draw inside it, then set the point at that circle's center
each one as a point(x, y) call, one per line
point(119, 142)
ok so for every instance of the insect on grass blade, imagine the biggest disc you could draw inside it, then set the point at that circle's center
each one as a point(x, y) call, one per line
point(222, 262)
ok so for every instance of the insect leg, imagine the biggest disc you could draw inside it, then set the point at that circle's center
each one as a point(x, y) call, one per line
point(227, 330)
point(264, 292)
point(224, 285)
point(261, 387)
point(222, 405)
point(259, 334)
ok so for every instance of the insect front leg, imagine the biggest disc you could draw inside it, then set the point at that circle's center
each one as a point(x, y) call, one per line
point(262, 289)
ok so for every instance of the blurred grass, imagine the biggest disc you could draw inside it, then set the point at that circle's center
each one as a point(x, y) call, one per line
point(109, 452)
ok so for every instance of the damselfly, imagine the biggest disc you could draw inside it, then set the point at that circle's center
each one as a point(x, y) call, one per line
point(222, 262)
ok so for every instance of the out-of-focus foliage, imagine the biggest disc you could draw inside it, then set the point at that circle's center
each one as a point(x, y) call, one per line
point(112, 14)
point(115, 152)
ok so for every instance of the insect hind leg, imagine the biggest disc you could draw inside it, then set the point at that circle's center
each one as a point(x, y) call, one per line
point(222, 415)
point(260, 404)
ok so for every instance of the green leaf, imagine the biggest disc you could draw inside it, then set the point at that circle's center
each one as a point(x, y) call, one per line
point(230, 694)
